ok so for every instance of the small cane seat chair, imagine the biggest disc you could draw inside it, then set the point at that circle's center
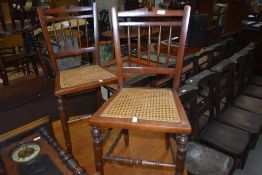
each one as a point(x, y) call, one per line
point(148, 109)
point(71, 32)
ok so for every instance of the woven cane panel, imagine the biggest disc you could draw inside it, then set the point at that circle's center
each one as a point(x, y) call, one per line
point(146, 104)
point(84, 74)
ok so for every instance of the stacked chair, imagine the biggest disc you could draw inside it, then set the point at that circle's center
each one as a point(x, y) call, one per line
point(223, 78)
point(230, 126)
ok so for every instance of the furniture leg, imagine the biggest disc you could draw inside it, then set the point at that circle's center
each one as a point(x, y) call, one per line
point(64, 122)
point(167, 135)
point(42, 61)
point(27, 69)
point(99, 97)
point(182, 141)
point(126, 137)
point(3, 73)
point(35, 68)
point(98, 149)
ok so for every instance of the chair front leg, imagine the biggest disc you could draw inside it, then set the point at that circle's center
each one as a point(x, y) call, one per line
point(98, 149)
point(182, 141)
point(64, 122)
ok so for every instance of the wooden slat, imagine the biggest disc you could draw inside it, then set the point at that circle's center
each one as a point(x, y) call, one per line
point(157, 70)
point(155, 23)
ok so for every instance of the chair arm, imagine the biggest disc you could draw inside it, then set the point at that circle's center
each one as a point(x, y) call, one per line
point(222, 66)
point(187, 91)
point(202, 76)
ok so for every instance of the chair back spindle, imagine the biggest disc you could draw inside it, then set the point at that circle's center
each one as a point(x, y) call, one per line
point(68, 32)
point(139, 30)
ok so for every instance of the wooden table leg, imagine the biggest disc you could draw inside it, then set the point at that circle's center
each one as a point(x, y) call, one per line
point(98, 149)
point(64, 122)
point(182, 141)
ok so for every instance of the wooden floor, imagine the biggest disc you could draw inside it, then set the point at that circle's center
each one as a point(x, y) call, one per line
point(150, 146)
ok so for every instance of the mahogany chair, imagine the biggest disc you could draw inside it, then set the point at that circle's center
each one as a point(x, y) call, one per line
point(67, 36)
point(148, 109)
point(227, 139)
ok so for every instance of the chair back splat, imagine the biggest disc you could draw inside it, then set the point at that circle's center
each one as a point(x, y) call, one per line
point(143, 29)
point(70, 31)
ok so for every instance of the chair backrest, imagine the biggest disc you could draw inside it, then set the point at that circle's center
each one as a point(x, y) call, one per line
point(240, 59)
point(70, 32)
point(142, 23)
point(206, 83)
point(219, 53)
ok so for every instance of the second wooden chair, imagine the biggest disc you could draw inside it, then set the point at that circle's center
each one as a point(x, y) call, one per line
point(71, 36)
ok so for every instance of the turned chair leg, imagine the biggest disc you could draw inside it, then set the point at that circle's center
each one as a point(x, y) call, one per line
point(64, 122)
point(182, 141)
point(98, 149)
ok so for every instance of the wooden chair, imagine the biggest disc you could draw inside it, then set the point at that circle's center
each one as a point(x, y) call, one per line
point(227, 139)
point(212, 161)
point(145, 108)
point(69, 37)
point(245, 75)
point(242, 119)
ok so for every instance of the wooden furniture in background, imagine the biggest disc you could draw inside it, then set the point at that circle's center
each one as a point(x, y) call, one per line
point(207, 7)
point(252, 34)
point(148, 109)
point(227, 139)
point(211, 160)
point(20, 19)
point(41, 132)
point(237, 11)
point(61, 43)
